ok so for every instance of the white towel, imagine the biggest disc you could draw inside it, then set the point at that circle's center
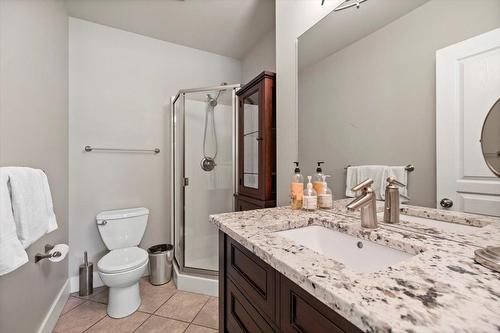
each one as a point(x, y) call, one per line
point(401, 175)
point(375, 172)
point(31, 203)
point(351, 181)
point(379, 174)
point(12, 253)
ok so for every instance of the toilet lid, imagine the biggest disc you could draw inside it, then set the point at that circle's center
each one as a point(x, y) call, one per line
point(120, 260)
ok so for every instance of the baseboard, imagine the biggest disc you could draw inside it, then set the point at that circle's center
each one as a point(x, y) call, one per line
point(195, 284)
point(74, 282)
point(50, 320)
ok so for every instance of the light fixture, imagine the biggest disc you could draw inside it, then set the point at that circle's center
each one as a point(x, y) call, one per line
point(348, 4)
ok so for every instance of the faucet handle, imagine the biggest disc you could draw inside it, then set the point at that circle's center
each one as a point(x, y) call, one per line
point(364, 184)
point(392, 180)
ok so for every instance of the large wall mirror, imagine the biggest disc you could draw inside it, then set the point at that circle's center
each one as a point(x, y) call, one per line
point(368, 95)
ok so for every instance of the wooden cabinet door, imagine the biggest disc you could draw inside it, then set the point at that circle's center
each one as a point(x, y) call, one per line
point(242, 317)
point(257, 138)
point(250, 143)
point(302, 313)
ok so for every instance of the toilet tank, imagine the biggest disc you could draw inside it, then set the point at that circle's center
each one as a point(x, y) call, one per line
point(122, 228)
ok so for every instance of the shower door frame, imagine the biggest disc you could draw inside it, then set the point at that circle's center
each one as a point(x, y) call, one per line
point(233, 88)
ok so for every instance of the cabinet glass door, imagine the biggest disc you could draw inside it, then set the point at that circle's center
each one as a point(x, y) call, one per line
point(251, 139)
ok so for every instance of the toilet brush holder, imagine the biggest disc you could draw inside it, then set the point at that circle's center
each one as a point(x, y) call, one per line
point(86, 273)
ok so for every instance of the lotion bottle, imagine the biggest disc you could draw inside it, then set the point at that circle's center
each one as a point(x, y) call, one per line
point(318, 178)
point(325, 197)
point(310, 196)
point(297, 188)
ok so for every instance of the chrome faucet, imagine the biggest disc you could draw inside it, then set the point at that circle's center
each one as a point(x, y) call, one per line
point(391, 207)
point(367, 203)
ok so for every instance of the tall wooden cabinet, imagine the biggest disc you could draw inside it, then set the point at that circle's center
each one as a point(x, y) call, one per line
point(257, 143)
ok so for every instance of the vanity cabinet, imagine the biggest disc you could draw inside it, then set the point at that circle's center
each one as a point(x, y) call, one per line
point(257, 143)
point(254, 297)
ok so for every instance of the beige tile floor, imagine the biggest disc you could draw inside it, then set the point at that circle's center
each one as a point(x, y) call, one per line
point(163, 309)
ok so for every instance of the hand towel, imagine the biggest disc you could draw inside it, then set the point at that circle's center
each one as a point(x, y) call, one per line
point(401, 175)
point(375, 172)
point(12, 253)
point(31, 203)
point(351, 181)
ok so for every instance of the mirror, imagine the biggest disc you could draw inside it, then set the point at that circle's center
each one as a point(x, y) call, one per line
point(367, 95)
point(490, 139)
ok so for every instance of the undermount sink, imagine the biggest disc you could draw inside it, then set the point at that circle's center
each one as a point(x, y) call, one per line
point(439, 225)
point(356, 254)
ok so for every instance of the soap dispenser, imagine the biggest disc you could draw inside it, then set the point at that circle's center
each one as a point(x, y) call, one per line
point(297, 188)
point(310, 196)
point(318, 177)
point(391, 206)
point(325, 197)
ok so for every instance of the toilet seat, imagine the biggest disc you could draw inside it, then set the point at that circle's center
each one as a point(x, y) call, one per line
point(122, 260)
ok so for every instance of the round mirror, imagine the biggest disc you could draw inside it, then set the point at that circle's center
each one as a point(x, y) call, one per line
point(490, 138)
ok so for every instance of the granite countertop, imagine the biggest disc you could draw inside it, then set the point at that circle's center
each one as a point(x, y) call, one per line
point(439, 289)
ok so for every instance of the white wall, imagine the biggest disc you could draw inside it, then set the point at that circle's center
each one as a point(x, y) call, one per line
point(293, 18)
point(34, 132)
point(261, 57)
point(120, 87)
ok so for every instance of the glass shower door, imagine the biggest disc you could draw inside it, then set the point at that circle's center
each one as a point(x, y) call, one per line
point(207, 132)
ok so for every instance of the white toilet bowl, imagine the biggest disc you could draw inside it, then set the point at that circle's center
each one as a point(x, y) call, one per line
point(123, 266)
point(121, 270)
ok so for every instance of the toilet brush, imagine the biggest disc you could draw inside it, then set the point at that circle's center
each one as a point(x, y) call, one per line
point(86, 277)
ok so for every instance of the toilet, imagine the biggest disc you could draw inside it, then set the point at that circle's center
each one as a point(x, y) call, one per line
point(120, 269)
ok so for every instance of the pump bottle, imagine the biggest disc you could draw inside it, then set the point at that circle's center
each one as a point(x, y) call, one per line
point(325, 197)
point(297, 188)
point(310, 196)
point(318, 178)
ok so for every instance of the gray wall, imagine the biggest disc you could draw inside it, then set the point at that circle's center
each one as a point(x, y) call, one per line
point(374, 101)
point(120, 88)
point(34, 132)
point(261, 57)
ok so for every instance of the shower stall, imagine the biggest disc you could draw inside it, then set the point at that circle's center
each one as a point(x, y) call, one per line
point(203, 180)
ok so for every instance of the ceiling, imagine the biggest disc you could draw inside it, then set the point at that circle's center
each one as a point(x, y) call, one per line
point(225, 27)
point(340, 29)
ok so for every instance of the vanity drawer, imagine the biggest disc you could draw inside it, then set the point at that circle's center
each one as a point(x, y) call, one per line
point(302, 313)
point(242, 317)
point(255, 278)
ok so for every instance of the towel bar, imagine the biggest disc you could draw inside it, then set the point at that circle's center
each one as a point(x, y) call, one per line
point(155, 150)
point(408, 168)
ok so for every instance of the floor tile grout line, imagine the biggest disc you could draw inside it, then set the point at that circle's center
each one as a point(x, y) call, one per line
point(168, 299)
point(63, 314)
point(94, 323)
point(184, 321)
point(149, 316)
point(205, 326)
point(208, 299)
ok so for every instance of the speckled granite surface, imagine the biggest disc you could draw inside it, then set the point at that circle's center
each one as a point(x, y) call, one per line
point(439, 289)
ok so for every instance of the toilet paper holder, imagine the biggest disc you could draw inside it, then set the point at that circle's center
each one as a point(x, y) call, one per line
point(48, 248)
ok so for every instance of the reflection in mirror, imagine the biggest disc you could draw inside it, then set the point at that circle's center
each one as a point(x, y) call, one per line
point(251, 143)
point(367, 95)
point(490, 139)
